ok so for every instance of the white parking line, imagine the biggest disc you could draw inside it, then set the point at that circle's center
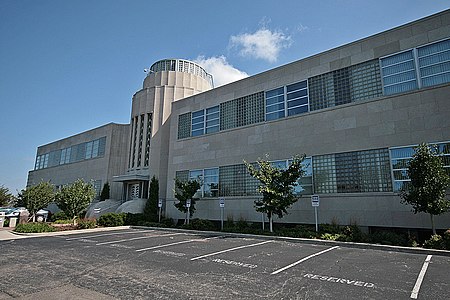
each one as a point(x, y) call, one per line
point(176, 243)
point(137, 238)
point(302, 260)
point(106, 234)
point(228, 250)
point(415, 291)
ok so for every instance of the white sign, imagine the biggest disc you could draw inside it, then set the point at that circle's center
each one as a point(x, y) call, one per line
point(160, 203)
point(315, 200)
point(188, 203)
point(222, 202)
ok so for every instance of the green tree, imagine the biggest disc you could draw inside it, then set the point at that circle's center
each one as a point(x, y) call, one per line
point(105, 192)
point(6, 198)
point(37, 197)
point(276, 186)
point(429, 182)
point(74, 198)
point(151, 206)
point(185, 190)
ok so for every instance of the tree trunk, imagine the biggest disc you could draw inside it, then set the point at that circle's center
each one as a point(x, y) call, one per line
point(433, 228)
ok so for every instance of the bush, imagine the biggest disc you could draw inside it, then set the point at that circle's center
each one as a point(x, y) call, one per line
point(34, 228)
point(134, 219)
point(63, 221)
point(389, 238)
point(86, 224)
point(60, 215)
point(352, 233)
point(199, 224)
point(299, 231)
point(332, 228)
point(435, 242)
point(112, 219)
point(446, 239)
point(332, 236)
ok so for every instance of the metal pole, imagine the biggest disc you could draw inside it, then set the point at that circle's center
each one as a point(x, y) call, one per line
point(159, 217)
point(317, 225)
point(188, 215)
point(221, 218)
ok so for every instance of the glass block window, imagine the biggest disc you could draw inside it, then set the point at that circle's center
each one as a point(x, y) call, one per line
point(236, 181)
point(350, 84)
point(198, 123)
point(400, 158)
point(212, 119)
point(365, 81)
point(242, 111)
point(182, 175)
point(399, 73)
point(434, 63)
point(184, 125)
point(353, 172)
point(297, 98)
point(324, 167)
point(275, 105)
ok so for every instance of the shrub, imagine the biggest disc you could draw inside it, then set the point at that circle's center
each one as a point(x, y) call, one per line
point(60, 215)
point(352, 233)
point(86, 223)
point(34, 228)
point(446, 239)
point(63, 221)
point(299, 231)
point(134, 219)
point(435, 242)
point(332, 236)
point(389, 238)
point(112, 219)
point(332, 228)
point(199, 224)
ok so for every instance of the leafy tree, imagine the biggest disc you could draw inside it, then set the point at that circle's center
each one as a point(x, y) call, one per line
point(151, 206)
point(105, 192)
point(37, 197)
point(185, 190)
point(429, 182)
point(74, 198)
point(6, 198)
point(277, 186)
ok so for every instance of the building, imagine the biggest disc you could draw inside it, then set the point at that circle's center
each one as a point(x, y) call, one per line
point(356, 111)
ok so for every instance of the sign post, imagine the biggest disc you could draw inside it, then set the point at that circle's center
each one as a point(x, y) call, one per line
point(315, 201)
point(160, 208)
point(188, 206)
point(222, 206)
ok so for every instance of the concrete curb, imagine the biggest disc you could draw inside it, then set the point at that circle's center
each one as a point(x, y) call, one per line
point(411, 250)
point(68, 232)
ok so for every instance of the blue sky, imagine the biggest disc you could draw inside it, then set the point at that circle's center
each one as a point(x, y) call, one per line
point(73, 65)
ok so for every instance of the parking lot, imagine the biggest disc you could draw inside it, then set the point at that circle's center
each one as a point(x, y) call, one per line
point(159, 264)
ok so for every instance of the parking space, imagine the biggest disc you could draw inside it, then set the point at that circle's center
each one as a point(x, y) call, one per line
point(244, 268)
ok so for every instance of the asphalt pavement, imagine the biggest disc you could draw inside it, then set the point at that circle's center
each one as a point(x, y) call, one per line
point(162, 264)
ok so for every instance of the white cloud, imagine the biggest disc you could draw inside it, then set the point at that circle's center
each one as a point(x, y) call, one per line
point(263, 44)
point(220, 69)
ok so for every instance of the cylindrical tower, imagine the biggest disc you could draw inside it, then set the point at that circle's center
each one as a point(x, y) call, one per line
point(167, 81)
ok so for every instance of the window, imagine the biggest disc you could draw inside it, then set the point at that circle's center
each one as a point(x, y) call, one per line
point(399, 73)
point(147, 140)
point(400, 158)
point(350, 84)
point(236, 181)
point(212, 119)
point(275, 104)
point(198, 123)
point(431, 62)
point(297, 98)
point(434, 63)
point(242, 111)
point(352, 172)
point(184, 125)
point(211, 182)
point(79, 152)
